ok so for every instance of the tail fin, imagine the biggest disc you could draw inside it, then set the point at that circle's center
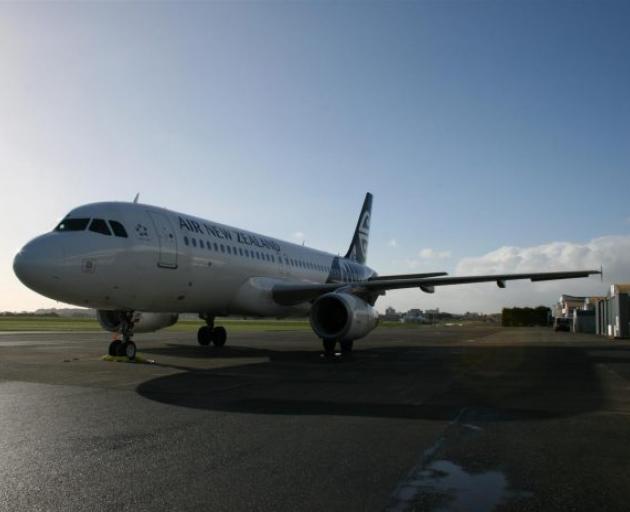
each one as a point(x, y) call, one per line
point(359, 245)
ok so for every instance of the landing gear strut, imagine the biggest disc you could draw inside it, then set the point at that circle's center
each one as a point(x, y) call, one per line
point(329, 347)
point(346, 347)
point(125, 347)
point(210, 334)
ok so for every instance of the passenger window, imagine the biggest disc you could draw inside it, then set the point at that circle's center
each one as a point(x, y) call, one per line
point(72, 225)
point(186, 240)
point(99, 226)
point(273, 260)
point(222, 248)
point(118, 228)
point(194, 242)
point(246, 253)
point(257, 255)
point(209, 245)
point(240, 251)
point(229, 251)
point(216, 247)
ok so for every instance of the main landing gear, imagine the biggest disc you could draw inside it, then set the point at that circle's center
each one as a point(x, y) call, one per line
point(125, 347)
point(329, 347)
point(210, 334)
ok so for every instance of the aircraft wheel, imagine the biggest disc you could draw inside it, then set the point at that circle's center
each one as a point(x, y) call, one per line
point(113, 348)
point(329, 347)
point(346, 346)
point(219, 336)
point(204, 335)
point(128, 348)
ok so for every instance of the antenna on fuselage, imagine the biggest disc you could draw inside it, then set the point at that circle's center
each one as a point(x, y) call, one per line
point(135, 199)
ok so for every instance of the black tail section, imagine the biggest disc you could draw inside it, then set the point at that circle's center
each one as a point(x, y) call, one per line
point(359, 245)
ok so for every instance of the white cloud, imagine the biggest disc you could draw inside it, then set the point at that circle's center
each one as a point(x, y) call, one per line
point(432, 254)
point(392, 243)
point(613, 252)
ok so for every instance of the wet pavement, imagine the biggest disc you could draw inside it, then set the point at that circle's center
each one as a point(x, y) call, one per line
point(435, 419)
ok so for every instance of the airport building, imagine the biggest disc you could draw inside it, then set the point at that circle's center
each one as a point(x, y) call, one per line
point(391, 315)
point(581, 311)
point(414, 316)
point(567, 304)
point(607, 316)
point(612, 313)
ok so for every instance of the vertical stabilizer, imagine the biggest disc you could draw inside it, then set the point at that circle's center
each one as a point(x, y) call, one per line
point(359, 245)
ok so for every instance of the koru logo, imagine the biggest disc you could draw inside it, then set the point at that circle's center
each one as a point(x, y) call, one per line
point(142, 231)
point(364, 232)
point(365, 223)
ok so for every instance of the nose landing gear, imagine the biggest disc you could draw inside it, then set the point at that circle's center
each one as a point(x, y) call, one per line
point(125, 347)
point(210, 334)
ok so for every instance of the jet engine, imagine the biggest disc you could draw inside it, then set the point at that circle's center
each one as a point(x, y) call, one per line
point(342, 317)
point(143, 322)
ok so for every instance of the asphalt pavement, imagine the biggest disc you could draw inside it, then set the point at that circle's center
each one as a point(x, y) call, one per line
point(432, 419)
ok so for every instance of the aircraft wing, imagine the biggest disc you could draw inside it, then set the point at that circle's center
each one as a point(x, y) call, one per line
point(292, 294)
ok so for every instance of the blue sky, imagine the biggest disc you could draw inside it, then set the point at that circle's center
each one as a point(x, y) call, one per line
point(477, 125)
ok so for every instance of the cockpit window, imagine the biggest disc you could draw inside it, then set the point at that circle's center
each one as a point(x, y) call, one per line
point(72, 225)
point(118, 228)
point(99, 226)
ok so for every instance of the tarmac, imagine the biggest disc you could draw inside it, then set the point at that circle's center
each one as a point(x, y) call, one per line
point(433, 419)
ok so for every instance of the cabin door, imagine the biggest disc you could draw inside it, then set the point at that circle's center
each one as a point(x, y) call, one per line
point(166, 239)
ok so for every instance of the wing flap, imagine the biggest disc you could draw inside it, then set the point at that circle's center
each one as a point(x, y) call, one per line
point(408, 276)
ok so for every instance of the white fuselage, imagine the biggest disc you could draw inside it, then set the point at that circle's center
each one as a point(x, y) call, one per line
point(171, 262)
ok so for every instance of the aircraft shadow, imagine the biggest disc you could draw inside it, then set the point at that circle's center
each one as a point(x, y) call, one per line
point(431, 383)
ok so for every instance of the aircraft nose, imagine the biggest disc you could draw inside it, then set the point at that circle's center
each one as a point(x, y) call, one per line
point(38, 262)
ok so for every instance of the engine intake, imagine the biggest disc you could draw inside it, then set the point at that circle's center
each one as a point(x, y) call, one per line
point(341, 317)
point(143, 322)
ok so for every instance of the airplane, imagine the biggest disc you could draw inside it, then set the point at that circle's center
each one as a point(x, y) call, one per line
point(140, 266)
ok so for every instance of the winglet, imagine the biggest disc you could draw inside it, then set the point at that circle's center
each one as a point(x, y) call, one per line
point(135, 199)
point(601, 272)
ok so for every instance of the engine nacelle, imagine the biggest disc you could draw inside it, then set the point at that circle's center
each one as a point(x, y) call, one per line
point(341, 316)
point(143, 322)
